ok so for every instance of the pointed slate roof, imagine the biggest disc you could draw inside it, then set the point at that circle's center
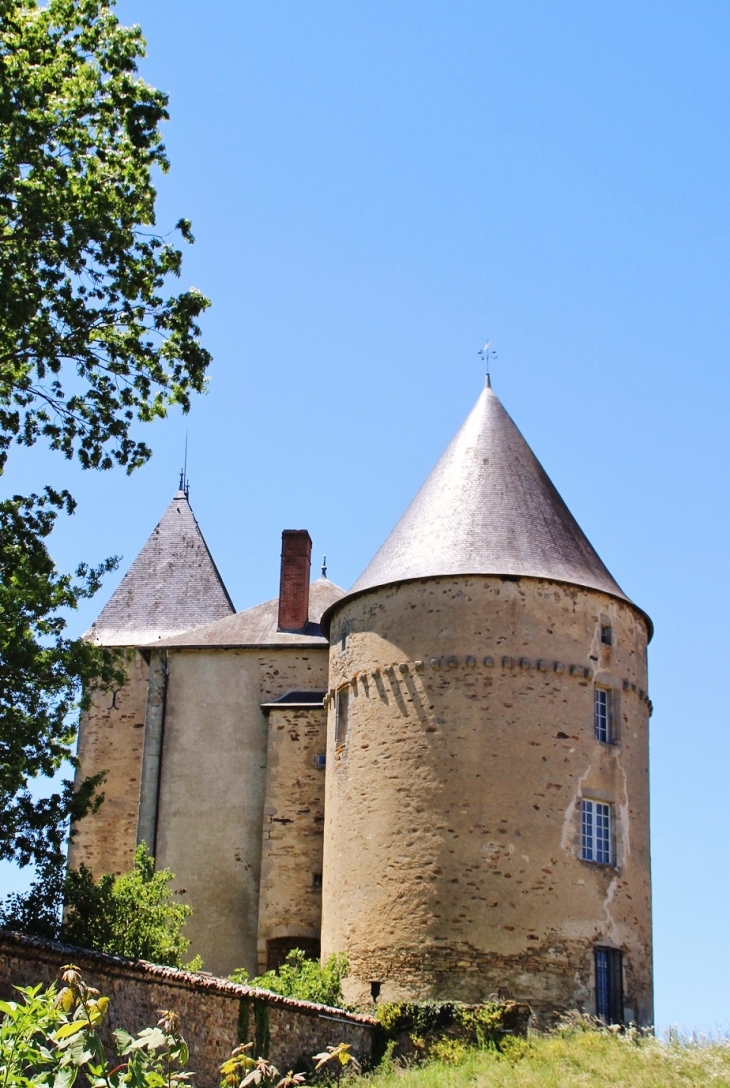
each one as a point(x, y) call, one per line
point(488, 507)
point(258, 626)
point(172, 585)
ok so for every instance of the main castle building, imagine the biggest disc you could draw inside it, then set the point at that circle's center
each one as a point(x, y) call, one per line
point(442, 772)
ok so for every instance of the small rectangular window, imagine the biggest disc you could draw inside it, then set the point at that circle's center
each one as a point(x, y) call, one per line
point(341, 716)
point(609, 985)
point(606, 634)
point(596, 832)
point(317, 882)
point(320, 761)
point(343, 643)
point(602, 715)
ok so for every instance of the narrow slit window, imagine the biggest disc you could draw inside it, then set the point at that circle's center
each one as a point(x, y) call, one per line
point(596, 832)
point(609, 985)
point(602, 715)
point(606, 634)
point(341, 717)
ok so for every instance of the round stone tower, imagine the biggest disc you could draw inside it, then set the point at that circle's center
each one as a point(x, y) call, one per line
point(487, 799)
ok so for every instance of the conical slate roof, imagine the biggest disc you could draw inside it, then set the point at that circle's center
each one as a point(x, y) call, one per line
point(172, 586)
point(488, 507)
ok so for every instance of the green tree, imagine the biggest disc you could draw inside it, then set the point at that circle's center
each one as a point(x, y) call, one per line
point(133, 915)
point(41, 672)
point(93, 341)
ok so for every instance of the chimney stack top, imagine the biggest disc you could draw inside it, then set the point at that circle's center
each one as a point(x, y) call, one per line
point(296, 557)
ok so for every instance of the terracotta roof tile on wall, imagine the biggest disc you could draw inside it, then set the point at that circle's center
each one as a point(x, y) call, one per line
point(172, 586)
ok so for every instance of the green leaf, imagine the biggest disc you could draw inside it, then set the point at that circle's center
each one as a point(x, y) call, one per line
point(124, 1040)
point(70, 1029)
point(96, 337)
point(149, 1039)
point(64, 1078)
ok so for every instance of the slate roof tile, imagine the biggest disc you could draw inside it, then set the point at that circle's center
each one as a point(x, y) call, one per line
point(172, 586)
point(487, 507)
point(257, 626)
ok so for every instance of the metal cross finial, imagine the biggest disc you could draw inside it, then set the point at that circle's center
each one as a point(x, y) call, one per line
point(487, 353)
point(324, 567)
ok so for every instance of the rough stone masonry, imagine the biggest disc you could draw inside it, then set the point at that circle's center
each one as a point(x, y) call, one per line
point(442, 773)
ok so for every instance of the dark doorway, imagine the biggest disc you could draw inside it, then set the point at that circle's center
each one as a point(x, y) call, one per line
point(278, 948)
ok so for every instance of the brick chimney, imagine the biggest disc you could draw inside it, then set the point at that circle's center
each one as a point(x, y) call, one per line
point(296, 557)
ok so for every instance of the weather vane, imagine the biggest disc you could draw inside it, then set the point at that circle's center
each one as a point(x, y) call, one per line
point(487, 353)
point(184, 482)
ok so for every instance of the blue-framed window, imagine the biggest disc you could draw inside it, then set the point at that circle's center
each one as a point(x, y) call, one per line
point(596, 832)
point(609, 985)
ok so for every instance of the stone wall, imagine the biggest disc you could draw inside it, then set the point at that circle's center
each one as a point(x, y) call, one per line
point(111, 739)
point(470, 744)
point(211, 797)
point(186, 771)
point(290, 901)
point(216, 1014)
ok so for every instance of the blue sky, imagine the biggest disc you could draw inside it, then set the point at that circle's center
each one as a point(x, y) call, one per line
point(376, 189)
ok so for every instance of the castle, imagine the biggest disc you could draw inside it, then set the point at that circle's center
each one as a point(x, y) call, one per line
point(442, 773)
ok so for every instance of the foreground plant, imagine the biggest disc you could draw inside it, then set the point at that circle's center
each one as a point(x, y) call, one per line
point(337, 1056)
point(53, 1037)
point(242, 1070)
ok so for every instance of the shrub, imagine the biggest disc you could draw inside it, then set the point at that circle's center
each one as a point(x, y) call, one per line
point(303, 979)
point(445, 1030)
point(131, 915)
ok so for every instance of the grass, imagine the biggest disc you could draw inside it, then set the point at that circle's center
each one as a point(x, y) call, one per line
point(571, 1059)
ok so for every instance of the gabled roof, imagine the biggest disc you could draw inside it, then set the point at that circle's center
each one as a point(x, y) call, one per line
point(488, 507)
point(258, 626)
point(172, 585)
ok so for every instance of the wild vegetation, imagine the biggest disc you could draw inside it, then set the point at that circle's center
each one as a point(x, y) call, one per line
point(422, 1030)
point(134, 915)
point(302, 978)
point(53, 1037)
point(577, 1056)
point(56, 1036)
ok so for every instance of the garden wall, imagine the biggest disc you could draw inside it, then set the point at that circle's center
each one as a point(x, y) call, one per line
point(216, 1014)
